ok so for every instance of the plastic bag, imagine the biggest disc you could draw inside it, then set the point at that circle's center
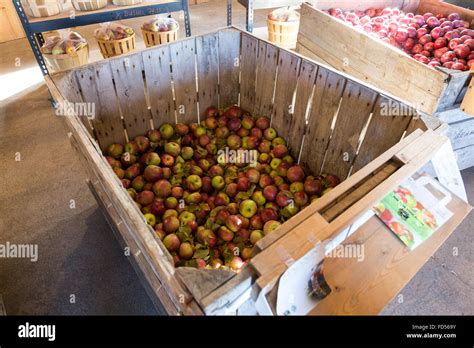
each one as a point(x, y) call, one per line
point(284, 14)
point(66, 42)
point(160, 23)
point(112, 31)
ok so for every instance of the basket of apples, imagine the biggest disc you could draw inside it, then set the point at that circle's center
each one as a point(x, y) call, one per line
point(283, 25)
point(160, 30)
point(115, 39)
point(65, 51)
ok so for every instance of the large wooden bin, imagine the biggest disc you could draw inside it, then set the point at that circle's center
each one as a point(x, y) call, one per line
point(332, 122)
point(327, 39)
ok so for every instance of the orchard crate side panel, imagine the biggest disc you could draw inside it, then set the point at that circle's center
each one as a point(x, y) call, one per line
point(378, 63)
point(172, 83)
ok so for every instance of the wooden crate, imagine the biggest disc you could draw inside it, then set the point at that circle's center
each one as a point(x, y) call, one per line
point(283, 34)
point(112, 48)
point(326, 39)
point(67, 61)
point(154, 38)
point(332, 123)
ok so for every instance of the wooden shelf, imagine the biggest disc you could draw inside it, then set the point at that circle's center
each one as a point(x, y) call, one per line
point(109, 8)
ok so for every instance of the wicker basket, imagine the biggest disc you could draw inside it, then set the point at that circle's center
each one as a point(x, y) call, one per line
point(89, 5)
point(43, 8)
point(154, 38)
point(112, 48)
point(283, 34)
point(126, 2)
point(66, 61)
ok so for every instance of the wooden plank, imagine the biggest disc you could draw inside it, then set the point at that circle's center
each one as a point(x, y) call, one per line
point(364, 288)
point(229, 67)
point(97, 87)
point(452, 115)
point(10, 25)
point(266, 75)
point(183, 54)
point(248, 72)
point(439, 6)
point(127, 73)
point(287, 77)
point(350, 5)
point(304, 89)
point(156, 63)
point(461, 133)
point(217, 301)
point(453, 88)
point(370, 60)
point(348, 200)
point(68, 83)
point(325, 104)
point(356, 105)
point(207, 48)
point(338, 191)
point(465, 157)
point(386, 127)
point(467, 104)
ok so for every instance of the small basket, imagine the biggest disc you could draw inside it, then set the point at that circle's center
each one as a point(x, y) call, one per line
point(66, 61)
point(89, 5)
point(44, 8)
point(126, 2)
point(112, 48)
point(154, 38)
point(283, 34)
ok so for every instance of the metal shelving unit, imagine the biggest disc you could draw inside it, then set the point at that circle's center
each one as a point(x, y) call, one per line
point(34, 27)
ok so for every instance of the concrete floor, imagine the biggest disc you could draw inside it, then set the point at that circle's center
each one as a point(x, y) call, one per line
point(79, 257)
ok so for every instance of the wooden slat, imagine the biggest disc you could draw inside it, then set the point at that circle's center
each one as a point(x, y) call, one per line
point(248, 72)
point(67, 82)
point(130, 88)
point(385, 129)
point(344, 203)
point(467, 104)
point(156, 63)
point(438, 6)
point(453, 88)
point(365, 288)
point(229, 66)
point(356, 106)
point(208, 71)
point(287, 77)
point(183, 54)
point(350, 5)
point(304, 89)
point(266, 74)
point(326, 100)
point(97, 87)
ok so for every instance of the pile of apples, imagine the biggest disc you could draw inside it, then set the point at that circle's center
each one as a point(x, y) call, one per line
point(207, 207)
point(435, 40)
